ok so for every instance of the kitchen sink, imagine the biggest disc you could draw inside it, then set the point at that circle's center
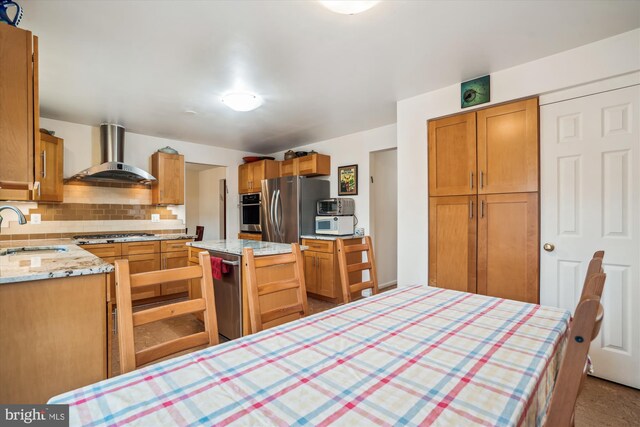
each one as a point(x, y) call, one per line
point(35, 250)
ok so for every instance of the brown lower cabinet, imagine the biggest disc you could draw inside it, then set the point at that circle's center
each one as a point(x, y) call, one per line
point(53, 337)
point(250, 236)
point(508, 242)
point(146, 256)
point(452, 242)
point(486, 244)
point(321, 272)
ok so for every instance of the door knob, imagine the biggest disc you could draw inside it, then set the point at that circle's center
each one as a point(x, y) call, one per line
point(549, 247)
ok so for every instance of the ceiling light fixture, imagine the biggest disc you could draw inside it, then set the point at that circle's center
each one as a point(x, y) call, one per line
point(242, 101)
point(348, 7)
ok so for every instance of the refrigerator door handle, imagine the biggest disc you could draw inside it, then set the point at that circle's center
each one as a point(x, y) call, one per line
point(272, 224)
point(278, 213)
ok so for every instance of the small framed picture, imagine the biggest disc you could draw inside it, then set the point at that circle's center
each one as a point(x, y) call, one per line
point(348, 180)
point(474, 92)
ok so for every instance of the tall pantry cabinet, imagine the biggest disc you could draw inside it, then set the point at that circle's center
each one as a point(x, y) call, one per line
point(483, 201)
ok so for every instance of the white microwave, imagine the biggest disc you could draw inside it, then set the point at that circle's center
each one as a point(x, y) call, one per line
point(335, 225)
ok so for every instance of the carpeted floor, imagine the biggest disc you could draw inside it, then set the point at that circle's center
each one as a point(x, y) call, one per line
point(602, 403)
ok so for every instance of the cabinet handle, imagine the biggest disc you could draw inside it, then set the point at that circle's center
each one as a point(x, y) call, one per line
point(481, 179)
point(482, 209)
point(43, 156)
point(470, 209)
point(471, 180)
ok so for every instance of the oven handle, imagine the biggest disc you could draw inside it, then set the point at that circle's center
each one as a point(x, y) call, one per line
point(250, 204)
point(234, 263)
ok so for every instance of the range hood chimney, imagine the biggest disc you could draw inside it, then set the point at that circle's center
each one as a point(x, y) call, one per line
point(113, 168)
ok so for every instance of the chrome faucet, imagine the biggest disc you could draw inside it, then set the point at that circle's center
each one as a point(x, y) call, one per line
point(21, 219)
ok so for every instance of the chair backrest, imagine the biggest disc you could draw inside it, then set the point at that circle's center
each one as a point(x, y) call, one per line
point(261, 285)
point(584, 328)
point(595, 266)
point(128, 320)
point(349, 264)
point(199, 233)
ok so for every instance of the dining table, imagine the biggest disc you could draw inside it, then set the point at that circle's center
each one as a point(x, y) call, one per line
point(416, 355)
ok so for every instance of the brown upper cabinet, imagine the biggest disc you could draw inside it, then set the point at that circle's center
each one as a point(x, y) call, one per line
point(168, 169)
point(251, 174)
point(452, 155)
point(309, 165)
point(508, 148)
point(19, 112)
point(493, 150)
point(49, 163)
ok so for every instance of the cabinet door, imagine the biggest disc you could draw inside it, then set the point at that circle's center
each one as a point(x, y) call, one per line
point(452, 155)
point(325, 274)
point(314, 165)
point(169, 172)
point(175, 260)
point(452, 242)
point(244, 178)
point(48, 168)
point(17, 119)
point(508, 148)
point(257, 174)
point(310, 278)
point(508, 253)
point(141, 264)
point(289, 167)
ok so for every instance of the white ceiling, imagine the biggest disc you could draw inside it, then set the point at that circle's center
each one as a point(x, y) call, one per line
point(321, 74)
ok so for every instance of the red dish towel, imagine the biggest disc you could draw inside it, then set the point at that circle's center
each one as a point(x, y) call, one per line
point(218, 268)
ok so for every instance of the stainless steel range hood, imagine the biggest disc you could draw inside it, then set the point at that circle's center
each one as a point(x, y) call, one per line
point(112, 168)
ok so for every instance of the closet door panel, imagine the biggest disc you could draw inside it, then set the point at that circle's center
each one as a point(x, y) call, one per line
point(508, 148)
point(452, 155)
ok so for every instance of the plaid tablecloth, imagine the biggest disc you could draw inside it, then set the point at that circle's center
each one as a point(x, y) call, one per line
point(412, 356)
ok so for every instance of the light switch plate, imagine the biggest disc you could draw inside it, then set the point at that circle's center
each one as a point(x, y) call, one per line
point(155, 217)
point(36, 218)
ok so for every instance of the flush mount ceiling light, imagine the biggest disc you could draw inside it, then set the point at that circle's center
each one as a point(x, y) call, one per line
point(348, 7)
point(242, 101)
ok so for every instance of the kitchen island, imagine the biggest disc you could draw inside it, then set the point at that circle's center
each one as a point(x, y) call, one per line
point(53, 319)
point(230, 290)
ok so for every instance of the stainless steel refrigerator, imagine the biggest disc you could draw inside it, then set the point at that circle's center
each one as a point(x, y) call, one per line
point(289, 207)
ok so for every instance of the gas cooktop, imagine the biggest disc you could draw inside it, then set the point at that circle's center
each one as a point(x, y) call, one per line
point(110, 236)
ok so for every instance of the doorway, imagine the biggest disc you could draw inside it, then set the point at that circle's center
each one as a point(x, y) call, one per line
point(206, 199)
point(383, 214)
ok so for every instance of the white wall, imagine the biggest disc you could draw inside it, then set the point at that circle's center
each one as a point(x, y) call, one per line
point(605, 58)
point(384, 214)
point(209, 210)
point(353, 149)
point(192, 198)
point(82, 150)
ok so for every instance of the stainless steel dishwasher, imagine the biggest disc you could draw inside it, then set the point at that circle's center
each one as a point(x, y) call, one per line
point(228, 295)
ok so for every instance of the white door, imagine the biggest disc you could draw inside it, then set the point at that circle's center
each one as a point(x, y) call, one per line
point(590, 200)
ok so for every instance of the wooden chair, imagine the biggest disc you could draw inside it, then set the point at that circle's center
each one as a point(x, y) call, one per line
point(127, 319)
point(260, 285)
point(199, 233)
point(348, 288)
point(573, 370)
point(595, 266)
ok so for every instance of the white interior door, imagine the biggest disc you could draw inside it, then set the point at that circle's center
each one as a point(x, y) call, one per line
point(590, 200)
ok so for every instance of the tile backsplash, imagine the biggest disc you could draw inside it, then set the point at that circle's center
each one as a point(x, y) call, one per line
point(89, 209)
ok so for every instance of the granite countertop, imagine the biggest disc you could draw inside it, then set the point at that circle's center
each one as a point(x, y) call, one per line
point(67, 259)
point(328, 236)
point(82, 241)
point(235, 247)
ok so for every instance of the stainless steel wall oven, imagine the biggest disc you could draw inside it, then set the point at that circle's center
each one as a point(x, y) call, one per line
point(250, 212)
